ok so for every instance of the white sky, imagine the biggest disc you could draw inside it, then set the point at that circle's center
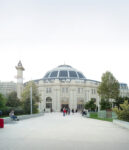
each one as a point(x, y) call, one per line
point(90, 35)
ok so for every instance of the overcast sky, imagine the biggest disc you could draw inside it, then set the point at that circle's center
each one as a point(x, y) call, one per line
point(90, 35)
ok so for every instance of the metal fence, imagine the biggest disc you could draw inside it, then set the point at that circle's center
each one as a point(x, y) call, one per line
point(107, 114)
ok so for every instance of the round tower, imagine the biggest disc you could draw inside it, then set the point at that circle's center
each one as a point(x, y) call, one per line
point(20, 70)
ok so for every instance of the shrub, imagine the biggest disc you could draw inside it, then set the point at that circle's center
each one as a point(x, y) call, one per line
point(123, 112)
point(7, 110)
point(90, 105)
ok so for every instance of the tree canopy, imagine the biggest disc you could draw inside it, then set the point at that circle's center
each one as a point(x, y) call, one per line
point(105, 104)
point(26, 98)
point(120, 100)
point(91, 105)
point(13, 101)
point(109, 87)
point(2, 101)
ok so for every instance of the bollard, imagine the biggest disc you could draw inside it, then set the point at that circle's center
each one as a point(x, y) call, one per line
point(1, 123)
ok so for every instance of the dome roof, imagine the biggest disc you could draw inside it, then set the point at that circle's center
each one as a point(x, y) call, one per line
point(64, 72)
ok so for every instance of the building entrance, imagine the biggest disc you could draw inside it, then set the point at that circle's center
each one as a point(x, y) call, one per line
point(64, 105)
point(80, 104)
point(80, 107)
point(49, 103)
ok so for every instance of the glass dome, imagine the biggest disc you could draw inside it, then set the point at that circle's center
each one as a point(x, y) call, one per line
point(64, 72)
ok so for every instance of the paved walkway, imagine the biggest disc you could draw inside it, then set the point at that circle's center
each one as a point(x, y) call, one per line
point(55, 132)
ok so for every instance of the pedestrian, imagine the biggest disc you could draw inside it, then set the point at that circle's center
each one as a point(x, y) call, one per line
point(84, 112)
point(13, 116)
point(0, 113)
point(68, 111)
point(64, 111)
point(73, 111)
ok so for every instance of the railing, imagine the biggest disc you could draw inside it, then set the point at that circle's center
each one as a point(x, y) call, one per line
point(103, 115)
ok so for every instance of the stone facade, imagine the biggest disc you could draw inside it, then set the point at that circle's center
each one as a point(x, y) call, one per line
point(7, 87)
point(73, 94)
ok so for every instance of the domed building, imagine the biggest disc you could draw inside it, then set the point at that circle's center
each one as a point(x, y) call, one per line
point(65, 86)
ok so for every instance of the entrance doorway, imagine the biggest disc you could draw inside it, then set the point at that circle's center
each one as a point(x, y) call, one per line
point(80, 107)
point(49, 103)
point(64, 105)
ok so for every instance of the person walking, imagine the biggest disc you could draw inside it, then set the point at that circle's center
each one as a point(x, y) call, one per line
point(68, 111)
point(64, 111)
point(73, 111)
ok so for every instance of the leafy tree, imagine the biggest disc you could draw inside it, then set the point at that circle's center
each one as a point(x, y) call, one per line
point(123, 112)
point(120, 100)
point(2, 101)
point(105, 104)
point(109, 87)
point(13, 101)
point(26, 98)
point(91, 105)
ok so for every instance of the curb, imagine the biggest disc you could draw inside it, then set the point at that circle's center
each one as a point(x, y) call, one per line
point(121, 123)
point(23, 117)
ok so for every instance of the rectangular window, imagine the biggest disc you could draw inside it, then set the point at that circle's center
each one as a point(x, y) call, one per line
point(48, 90)
point(66, 90)
point(94, 91)
point(78, 90)
point(63, 90)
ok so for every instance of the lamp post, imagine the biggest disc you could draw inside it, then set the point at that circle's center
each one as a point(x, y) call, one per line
point(73, 97)
point(98, 104)
point(31, 100)
point(56, 101)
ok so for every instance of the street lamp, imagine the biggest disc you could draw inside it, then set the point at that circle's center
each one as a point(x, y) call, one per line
point(31, 99)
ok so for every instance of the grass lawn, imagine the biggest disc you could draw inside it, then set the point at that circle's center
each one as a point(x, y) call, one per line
point(3, 116)
point(95, 116)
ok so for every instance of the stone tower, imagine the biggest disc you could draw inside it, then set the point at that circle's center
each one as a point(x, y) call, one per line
point(20, 70)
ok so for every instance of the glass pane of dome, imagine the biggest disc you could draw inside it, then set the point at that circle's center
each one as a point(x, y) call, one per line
point(54, 74)
point(47, 75)
point(80, 75)
point(63, 73)
point(72, 74)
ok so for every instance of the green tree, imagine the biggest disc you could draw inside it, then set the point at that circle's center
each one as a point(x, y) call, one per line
point(105, 104)
point(91, 105)
point(120, 100)
point(109, 87)
point(12, 100)
point(123, 112)
point(26, 98)
point(2, 101)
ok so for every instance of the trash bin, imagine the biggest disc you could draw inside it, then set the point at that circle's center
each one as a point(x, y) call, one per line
point(1, 123)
